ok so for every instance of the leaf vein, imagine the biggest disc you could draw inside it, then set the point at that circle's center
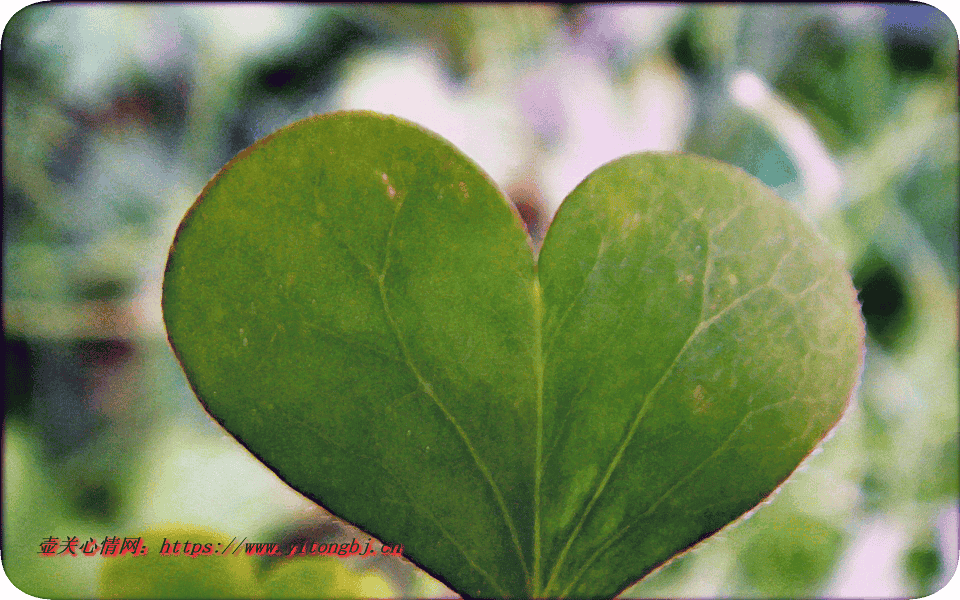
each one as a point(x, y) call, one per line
point(428, 389)
point(645, 405)
point(538, 464)
point(398, 482)
point(656, 503)
point(601, 250)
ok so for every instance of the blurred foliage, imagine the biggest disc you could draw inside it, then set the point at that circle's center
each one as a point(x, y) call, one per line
point(323, 578)
point(114, 116)
point(789, 555)
point(196, 572)
point(155, 574)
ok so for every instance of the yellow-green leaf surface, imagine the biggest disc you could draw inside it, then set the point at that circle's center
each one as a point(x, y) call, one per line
point(194, 571)
point(327, 577)
point(356, 302)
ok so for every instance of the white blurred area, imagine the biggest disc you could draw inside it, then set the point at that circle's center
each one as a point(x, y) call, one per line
point(552, 119)
point(819, 173)
point(409, 83)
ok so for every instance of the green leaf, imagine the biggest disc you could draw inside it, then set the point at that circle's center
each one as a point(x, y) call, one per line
point(356, 302)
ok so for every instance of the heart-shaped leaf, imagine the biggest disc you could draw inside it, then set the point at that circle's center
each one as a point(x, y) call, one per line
point(355, 301)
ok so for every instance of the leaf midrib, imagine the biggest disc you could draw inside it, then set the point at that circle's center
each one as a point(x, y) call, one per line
point(534, 576)
point(535, 589)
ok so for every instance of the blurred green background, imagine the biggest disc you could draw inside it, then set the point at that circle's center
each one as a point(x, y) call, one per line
point(115, 116)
